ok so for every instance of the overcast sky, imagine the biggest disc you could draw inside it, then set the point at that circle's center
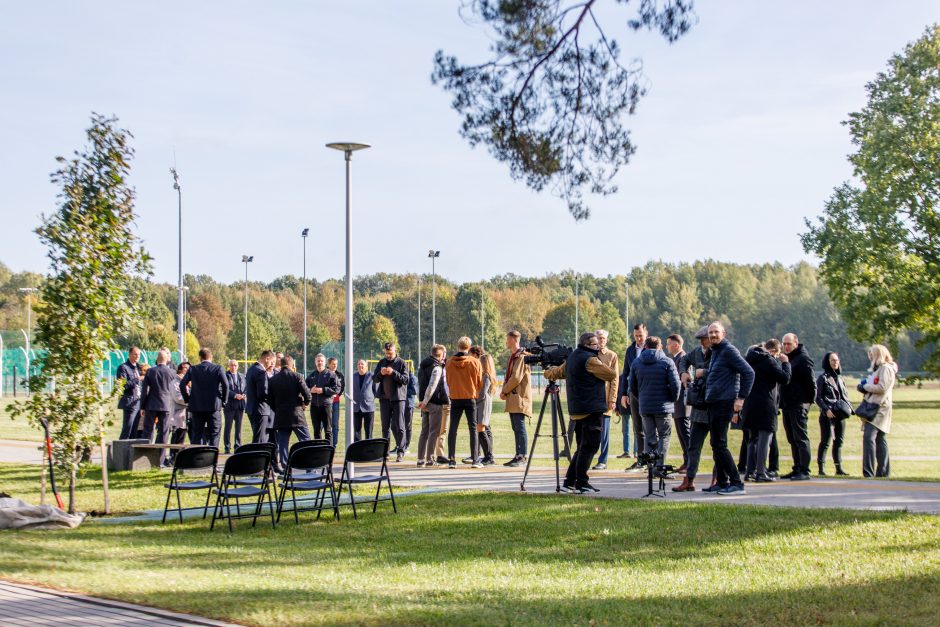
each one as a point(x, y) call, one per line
point(738, 140)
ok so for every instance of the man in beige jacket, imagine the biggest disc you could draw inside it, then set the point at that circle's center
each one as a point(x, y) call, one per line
point(609, 359)
point(517, 392)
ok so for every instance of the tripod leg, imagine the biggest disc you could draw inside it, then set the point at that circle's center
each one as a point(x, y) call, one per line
point(555, 420)
point(566, 433)
point(535, 438)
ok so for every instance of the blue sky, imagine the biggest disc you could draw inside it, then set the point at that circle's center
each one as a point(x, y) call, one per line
point(738, 140)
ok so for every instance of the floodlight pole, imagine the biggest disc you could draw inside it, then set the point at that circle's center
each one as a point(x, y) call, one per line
point(180, 316)
point(304, 234)
point(419, 320)
point(246, 259)
point(433, 254)
point(577, 308)
point(348, 148)
point(482, 319)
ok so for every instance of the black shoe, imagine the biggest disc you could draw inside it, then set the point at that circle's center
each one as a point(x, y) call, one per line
point(399, 457)
point(489, 461)
point(714, 488)
point(773, 474)
point(512, 462)
point(749, 477)
point(568, 487)
point(624, 456)
point(800, 477)
point(841, 472)
point(789, 475)
point(764, 479)
point(636, 466)
point(442, 460)
point(467, 460)
point(451, 464)
point(588, 486)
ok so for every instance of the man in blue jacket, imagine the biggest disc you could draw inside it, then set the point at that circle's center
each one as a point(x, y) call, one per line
point(727, 384)
point(655, 382)
point(631, 403)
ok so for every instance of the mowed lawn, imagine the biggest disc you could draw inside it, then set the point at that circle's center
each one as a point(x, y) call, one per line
point(914, 440)
point(475, 558)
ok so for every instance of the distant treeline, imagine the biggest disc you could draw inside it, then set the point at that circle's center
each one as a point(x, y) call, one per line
point(755, 302)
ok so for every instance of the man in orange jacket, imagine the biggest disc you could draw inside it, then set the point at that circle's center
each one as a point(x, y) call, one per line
point(465, 379)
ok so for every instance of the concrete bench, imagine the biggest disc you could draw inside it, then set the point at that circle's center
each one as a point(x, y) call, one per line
point(137, 454)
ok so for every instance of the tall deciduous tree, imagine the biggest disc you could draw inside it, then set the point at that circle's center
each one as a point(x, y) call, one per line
point(879, 236)
point(551, 100)
point(87, 303)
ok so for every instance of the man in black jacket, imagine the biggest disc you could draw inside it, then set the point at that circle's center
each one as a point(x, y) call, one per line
point(680, 412)
point(332, 364)
point(206, 396)
point(585, 384)
point(796, 397)
point(129, 372)
point(323, 386)
point(289, 395)
point(630, 402)
point(156, 396)
point(260, 414)
point(235, 406)
point(391, 378)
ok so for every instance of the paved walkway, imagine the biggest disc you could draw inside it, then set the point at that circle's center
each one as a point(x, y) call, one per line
point(25, 606)
point(919, 497)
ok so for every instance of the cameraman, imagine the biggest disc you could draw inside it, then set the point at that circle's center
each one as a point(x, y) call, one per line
point(585, 377)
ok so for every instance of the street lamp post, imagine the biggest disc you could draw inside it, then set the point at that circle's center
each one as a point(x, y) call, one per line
point(577, 308)
point(482, 318)
point(180, 321)
point(419, 320)
point(304, 234)
point(626, 307)
point(433, 254)
point(348, 148)
point(246, 259)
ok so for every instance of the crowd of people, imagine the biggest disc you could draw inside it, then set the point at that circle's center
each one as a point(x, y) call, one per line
point(701, 393)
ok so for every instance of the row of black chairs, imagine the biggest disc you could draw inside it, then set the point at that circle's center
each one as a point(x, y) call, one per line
point(249, 474)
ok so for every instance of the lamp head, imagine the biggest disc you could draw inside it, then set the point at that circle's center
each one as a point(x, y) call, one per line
point(246, 258)
point(305, 232)
point(434, 253)
point(347, 146)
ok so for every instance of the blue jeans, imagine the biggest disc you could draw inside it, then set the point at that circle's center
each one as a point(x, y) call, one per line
point(335, 422)
point(626, 427)
point(518, 430)
point(282, 438)
point(605, 440)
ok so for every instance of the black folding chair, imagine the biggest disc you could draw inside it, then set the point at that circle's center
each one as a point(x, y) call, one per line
point(238, 467)
point(252, 447)
point(364, 452)
point(302, 459)
point(192, 458)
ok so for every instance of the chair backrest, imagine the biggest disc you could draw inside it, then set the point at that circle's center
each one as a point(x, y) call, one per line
point(311, 457)
point(196, 457)
point(373, 450)
point(252, 447)
point(306, 443)
point(248, 463)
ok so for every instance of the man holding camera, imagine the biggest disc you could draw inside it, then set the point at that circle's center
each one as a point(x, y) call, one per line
point(586, 379)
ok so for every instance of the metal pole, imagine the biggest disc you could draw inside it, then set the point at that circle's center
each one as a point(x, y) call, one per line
point(626, 308)
point(349, 305)
point(304, 235)
point(180, 305)
point(245, 260)
point(420, 356)
point(577, 309)
point(26, 353)
point(433, 301)
point(1, 366)
point(482, 321)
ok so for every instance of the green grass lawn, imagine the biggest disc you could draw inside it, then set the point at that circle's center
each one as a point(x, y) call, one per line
point(483, 559)
point(915, 433)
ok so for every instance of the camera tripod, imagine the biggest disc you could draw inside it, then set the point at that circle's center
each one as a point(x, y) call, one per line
point(650, 470)
point(558, 425)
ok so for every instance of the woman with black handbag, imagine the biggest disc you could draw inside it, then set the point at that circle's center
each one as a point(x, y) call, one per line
point(875, 412)
point(834, 408)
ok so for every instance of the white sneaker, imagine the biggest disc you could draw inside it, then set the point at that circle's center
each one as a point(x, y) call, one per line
point(476, 465)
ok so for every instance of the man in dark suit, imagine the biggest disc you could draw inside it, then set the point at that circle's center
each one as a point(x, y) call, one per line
point(260, 414)
point(289, 395)
point(206, 396)
point(157, 397)
point(129, 372)
point(323, 386)
point(235, 406)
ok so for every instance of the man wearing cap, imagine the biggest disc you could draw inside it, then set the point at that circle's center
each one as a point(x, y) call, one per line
point(391, 377)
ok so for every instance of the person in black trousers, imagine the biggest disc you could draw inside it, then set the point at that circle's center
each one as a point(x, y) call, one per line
point(206, 396)
point(331, 365)
point(727, 384)
point(289, 395)
point(771, 370)
point(129, 372)
point(585, 385)
point(323, 386)
point(156, 396)
point(632, 403)
point(235, 406)
point(260, 414)
point(391, 377)
point(830, 390)
point(796, 397)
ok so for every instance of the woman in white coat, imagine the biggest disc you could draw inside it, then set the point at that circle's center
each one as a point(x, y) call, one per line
point(878, 390)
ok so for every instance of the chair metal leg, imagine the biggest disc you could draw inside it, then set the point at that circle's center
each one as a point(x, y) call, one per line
point(205, 510)
point(293, 497)
point(391, 493)
point(378, 490)
point(254, 519)
point(179, 506)
point(167, 505)
point(334, 500)
point(352, 500)
point(271, 509)
point(216, 511)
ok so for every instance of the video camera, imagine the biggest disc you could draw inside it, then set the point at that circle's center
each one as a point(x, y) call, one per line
point(648, 458)
point(546, 355)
